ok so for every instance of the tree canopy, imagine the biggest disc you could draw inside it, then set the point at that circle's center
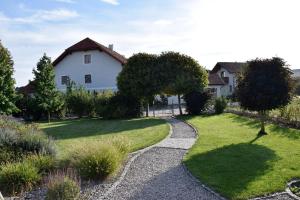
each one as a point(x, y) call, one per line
point(8, 95)
point(46, 96)
point(147, 75)
point(264, 85)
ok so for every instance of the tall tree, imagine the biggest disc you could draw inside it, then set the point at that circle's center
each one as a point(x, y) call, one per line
point(181, 74)
point(265, 84)
point(140, 78)
point(8, 95)
point(46, 95)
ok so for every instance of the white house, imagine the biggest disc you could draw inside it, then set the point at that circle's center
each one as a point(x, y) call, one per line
point(223, 78)
point(89, 64)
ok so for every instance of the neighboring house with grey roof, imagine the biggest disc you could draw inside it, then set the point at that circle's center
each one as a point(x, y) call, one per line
point(223, 78)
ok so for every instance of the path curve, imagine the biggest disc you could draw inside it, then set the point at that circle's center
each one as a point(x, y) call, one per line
point(158, 172)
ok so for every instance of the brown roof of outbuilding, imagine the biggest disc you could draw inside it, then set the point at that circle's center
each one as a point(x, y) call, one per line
point(89, 44)
point(215, 79)
point(232, 67)
point(27, 89)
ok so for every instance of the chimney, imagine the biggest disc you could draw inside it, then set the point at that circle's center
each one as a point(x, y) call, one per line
point(111, 47)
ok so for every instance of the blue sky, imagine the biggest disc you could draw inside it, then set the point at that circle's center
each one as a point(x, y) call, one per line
point(208, 30)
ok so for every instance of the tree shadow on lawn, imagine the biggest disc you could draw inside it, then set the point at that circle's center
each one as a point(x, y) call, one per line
point(70, 129)
point(231, 168)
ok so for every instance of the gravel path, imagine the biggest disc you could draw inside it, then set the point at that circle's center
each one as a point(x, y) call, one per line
point(159, 174)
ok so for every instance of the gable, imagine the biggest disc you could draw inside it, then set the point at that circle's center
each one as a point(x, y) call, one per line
point(87, 45)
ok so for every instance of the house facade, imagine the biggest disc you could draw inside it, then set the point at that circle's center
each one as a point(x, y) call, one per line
point(90, 65)
point(223, 78)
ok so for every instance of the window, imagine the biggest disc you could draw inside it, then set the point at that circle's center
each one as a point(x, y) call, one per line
point(88, 78)
point(87, 59)
point(222, 74)
point(230, 88)
point(65, 80)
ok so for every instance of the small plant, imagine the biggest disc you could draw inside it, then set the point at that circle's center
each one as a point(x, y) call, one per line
point(220, 105)
point(196, 102)
point(63, 186)
point(100, 160)
point(18, 177)
point(44, 164)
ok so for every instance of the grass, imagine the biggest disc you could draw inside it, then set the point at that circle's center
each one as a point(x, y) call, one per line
point(230, 158)
point(78, 133)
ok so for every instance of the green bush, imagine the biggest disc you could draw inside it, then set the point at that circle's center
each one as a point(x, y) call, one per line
point(99, 161)
point(18, 177)
point(62, 187)
point(220, 105)
point(101, 101)
point(80, 102)
point(196, 102)
point(122, 106)
point(21, 141)
point(44, 164)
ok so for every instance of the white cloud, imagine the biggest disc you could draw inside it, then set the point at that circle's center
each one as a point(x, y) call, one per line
point(113, 2)
point(41, 16)
point(163, 22)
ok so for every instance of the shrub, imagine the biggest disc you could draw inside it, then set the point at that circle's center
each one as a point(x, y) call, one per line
point(122, 106)
point(44, 164)
point(33, 140)
point(101, 101)
point(63, 187)
point(196, 102)
point(26, 140)
point(16, 177)
point(80, 102)
point(220, 105)
point(8, 155)
point(98, 161)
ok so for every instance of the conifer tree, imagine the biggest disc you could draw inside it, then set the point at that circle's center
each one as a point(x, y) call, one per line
point(7, 83)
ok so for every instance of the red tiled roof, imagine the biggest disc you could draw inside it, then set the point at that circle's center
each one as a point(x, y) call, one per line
point(89, 44)
point(27, 89)
point(215, 79)
point(232, 67)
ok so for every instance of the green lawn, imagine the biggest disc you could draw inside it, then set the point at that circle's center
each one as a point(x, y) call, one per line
point(229, 158)
point(70, 134)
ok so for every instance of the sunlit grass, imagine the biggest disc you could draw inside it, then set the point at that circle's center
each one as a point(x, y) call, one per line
point(80, 133)
point(230, 158)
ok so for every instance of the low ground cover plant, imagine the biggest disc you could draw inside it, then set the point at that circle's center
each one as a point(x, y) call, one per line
point(101, 160)
point(63, 186)
point(18, 177)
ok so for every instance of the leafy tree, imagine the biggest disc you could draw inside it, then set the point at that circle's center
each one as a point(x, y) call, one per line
point(140, 78)
point(297, 88)
point(181, 74)
point(8, 95)
point(46, 95)
point(196, 101)
point(265, 84)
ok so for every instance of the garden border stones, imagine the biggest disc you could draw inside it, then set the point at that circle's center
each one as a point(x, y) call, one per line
point(288, 190)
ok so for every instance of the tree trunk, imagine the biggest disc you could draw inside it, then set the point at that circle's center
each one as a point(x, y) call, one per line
point(49, 116)
point(153, 109)
point(147, 110)
point(262, 121)
point(179, 104)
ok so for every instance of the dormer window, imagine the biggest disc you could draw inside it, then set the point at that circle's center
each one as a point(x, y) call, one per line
point(87, 59)
point(222, 74)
